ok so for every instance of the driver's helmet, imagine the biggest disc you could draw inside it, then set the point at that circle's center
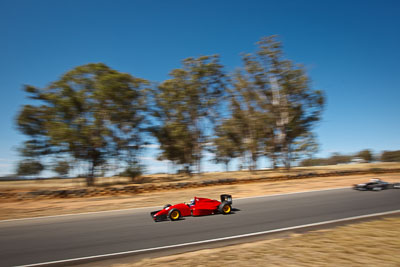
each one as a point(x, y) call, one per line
point(191, 203)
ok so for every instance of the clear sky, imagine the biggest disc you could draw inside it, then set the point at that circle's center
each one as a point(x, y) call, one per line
point(350, 50)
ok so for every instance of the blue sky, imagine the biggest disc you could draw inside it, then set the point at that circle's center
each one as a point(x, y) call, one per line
point(350, 50)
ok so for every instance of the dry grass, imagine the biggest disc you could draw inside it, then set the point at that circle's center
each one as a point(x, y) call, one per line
point(374, 243)
point(12, 209)
point(26, 185)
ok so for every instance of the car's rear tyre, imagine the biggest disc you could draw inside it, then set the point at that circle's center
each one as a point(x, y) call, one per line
point(174, 214)
point(225, 208)
point(166, 206)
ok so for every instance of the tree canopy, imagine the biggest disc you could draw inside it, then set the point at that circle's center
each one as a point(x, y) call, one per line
point(273, 106)
point(91, 113)
point(94, 114)
point(186, 107)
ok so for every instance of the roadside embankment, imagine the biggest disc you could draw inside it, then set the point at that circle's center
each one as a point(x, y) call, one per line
point(372, 243)
point(157, 184)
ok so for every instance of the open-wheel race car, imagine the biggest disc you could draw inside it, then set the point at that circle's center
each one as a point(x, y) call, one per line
point(196, 207)
point(376, 185)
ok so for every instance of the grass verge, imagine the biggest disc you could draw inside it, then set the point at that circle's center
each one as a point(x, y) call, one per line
point(372, 243)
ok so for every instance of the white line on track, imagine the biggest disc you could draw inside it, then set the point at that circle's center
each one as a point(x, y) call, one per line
point(105, 211)
point(211, 240)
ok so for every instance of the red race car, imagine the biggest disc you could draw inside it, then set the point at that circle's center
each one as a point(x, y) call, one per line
point(196, 207)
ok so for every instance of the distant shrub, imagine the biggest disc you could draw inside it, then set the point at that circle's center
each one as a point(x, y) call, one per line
point(29, 167)
point(134, 172)
point(391, 156)
point(62, 168)
point(336, 158)
point(313, 162)
point(366, 155)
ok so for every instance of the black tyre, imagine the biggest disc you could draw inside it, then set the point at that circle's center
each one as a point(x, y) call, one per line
point(166, 206)
point(174, 214)
point(225, 208)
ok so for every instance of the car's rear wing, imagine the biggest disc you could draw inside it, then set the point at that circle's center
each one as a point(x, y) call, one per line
point(226, 198)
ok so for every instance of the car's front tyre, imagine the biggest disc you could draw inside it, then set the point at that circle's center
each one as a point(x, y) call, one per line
point(174, 214)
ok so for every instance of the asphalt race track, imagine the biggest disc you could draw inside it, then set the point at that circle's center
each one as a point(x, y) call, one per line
point(39, 240)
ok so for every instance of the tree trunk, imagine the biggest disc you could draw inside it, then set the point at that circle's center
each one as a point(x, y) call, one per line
point(254, 158)
point(273, 158)
point(198, 149)
point(90, 177)
point(199, 166)
point(287, 161)
point(286, 155)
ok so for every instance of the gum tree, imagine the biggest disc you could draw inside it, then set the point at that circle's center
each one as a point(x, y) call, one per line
point(90, 114)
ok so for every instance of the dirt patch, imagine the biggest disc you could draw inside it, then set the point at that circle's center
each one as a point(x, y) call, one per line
point(352, 245)
point(12, 209)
